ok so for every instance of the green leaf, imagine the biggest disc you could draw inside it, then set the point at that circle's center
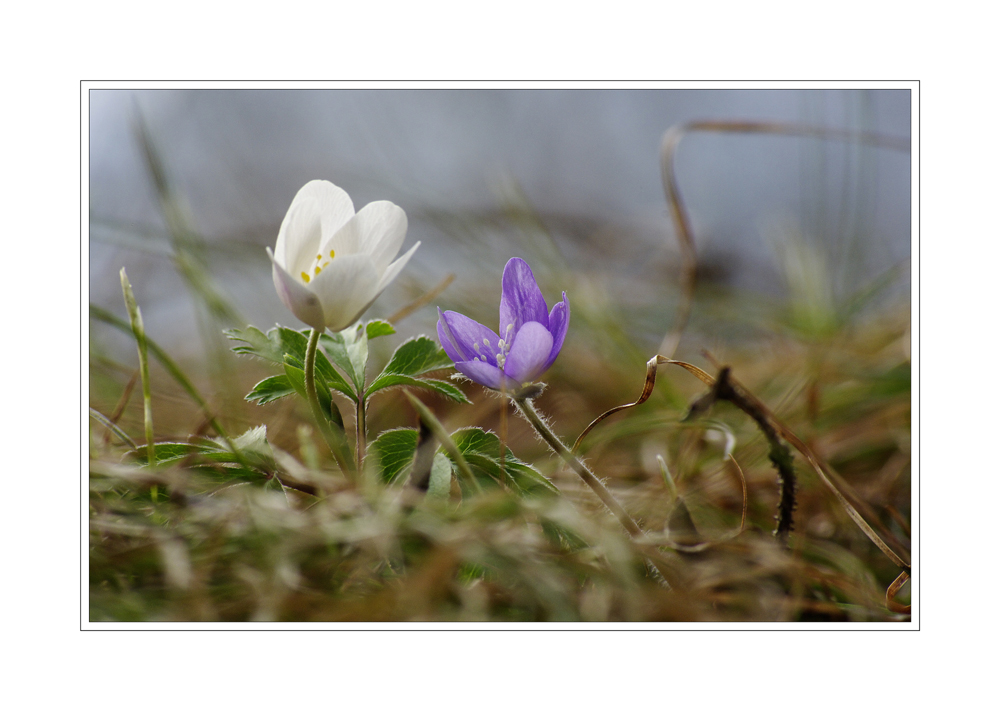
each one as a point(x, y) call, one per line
point(394, 450)
point(201, 453)
point(439, 386)
point(440, 483)
point(280, 343)
point(349, 350)
point(257, 344)
point(414, 358)
point(271, 389)
point(481, 450)
point(562, 536)
point(418, 356)
point(378, 328)
point(167, 452)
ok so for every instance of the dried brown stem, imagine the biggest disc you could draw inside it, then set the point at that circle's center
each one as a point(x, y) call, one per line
point(890, 594)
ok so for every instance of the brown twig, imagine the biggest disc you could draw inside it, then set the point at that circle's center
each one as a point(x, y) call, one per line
point(779, 453)
point(682, 221)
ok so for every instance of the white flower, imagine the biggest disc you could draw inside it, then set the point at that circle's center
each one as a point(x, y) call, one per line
point(330, 264)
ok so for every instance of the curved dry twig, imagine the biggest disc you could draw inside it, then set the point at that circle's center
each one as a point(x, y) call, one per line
point(647, 390)
point(743, 484)
point(682, 222)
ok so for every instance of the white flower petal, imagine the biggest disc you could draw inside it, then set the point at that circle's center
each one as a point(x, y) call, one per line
point(383, 226)
point(335, 205)
point(377, 230)
point(395, 268)
point(345, 287)
point(299, 299)
point(317, 200)
point(299, 237)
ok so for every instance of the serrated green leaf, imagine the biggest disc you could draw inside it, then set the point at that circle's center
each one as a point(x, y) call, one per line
point(257, 344)
point(440, 483)
point(393, 450)
point(378, 328)
point(270, 389)
point(349, 350)
point(481, 450)
point(417, 356)
point(413, 358)
point(280, 343)
point(439, 386)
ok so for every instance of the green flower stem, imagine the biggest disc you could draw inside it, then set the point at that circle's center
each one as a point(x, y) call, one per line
point(135, 317)
point(335, 440)
point(527, 409)
point(362, 427)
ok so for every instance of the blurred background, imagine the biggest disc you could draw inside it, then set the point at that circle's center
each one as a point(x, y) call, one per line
point(484, 175)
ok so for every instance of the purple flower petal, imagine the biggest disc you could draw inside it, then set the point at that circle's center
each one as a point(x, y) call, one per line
point(483, 373)
point(531, 349)
point(521, 300)
point(558, 326)
point(464, 339)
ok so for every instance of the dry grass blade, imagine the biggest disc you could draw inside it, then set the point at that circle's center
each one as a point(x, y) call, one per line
point(743, 484)
point(891, 592)
point(422, 301)
point(122, 403)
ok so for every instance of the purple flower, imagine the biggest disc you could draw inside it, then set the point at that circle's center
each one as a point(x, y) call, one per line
point(532, 335)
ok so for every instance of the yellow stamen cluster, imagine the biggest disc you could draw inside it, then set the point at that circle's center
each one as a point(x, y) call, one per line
point(318, 267)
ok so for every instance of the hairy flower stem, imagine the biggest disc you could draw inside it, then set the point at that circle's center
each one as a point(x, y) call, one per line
point(531, 415)
point(333, 439)
point(527, 409)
